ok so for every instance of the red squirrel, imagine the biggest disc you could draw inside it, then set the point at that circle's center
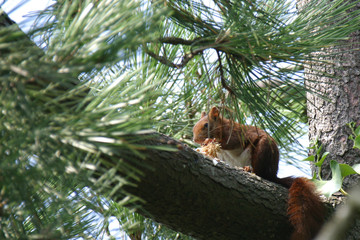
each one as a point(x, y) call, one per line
point(252, 148)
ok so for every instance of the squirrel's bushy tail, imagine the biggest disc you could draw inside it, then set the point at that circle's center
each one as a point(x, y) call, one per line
point(306, 210)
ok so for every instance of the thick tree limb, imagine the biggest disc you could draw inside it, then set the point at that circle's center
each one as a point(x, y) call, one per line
point(190, 194)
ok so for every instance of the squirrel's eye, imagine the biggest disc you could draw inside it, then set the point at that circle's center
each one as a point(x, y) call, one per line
point(205, 125)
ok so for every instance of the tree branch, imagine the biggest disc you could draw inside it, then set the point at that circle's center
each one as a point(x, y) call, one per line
point(186, 58)
point(177, 41)
point(223, 82)
point(187, 192)
point(190, 194)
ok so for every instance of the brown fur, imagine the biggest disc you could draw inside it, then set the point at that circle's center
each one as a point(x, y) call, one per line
point(305, 208)
point(231, 135)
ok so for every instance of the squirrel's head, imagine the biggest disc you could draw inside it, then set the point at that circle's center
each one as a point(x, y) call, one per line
point(208, 126)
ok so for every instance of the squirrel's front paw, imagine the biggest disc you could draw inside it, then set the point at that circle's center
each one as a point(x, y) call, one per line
point(247, 168)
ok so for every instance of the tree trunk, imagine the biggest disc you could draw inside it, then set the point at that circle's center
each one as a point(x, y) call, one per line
point(328, 118)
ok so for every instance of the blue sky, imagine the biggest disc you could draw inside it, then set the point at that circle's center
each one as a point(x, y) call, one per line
point(21, 10)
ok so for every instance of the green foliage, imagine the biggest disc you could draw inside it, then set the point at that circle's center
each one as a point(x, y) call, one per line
point(135, 224)
point(329, 187)
point(248, 56)
point(111, 72)
point(261, 42)
point(338, 170)
point(319, 157)
point(64, 117)
point(355, 134)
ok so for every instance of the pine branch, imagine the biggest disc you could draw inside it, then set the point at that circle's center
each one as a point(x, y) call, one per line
point(223, 81)
point(185, 59)
point(177, 41)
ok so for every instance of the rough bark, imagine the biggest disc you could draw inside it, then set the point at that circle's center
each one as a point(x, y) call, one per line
point(190, 194)
point(339, 82)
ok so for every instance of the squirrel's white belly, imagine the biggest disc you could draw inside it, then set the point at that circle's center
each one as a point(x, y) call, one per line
point(237, 157)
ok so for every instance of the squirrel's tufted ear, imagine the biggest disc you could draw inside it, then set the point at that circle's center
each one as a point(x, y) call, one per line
point(214, 113)
point(203, 114)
